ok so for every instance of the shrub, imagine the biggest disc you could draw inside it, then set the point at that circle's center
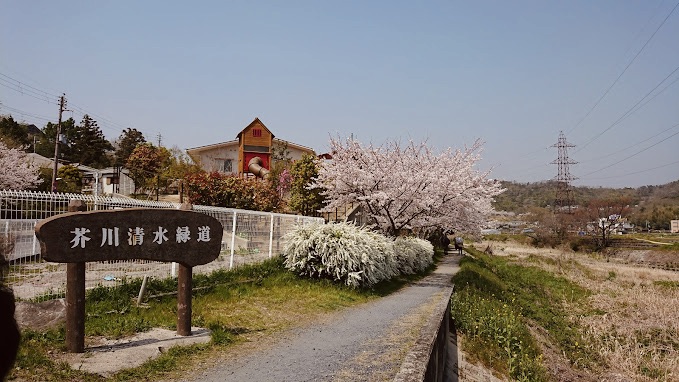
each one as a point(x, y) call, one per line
point(342, 252)
point(413, 255)
point(231, 191)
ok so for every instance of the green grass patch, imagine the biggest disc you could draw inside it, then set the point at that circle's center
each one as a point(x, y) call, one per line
point(666, 284)
point(235, 304)
point(497, 299)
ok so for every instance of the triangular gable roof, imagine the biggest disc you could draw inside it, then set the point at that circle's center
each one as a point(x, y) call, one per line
point(256, 121)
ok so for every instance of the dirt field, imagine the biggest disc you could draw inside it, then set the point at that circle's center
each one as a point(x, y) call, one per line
point(637, 324)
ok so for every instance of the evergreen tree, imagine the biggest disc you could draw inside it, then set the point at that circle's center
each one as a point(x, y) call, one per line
point(126, 143)
point(45, 146)
point(13, 134)
point(88, 145)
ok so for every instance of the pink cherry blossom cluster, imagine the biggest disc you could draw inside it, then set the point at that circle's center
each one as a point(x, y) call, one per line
point(18, 173)
point(409, 186)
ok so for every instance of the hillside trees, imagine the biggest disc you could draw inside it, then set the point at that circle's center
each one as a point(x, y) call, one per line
point(17, 172)
point(409, 186)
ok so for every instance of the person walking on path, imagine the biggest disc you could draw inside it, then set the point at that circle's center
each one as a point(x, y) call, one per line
point(459, 244)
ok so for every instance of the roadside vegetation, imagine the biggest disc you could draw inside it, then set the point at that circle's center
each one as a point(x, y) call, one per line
point(251, 302)
point(323, 268)
point(552, 314)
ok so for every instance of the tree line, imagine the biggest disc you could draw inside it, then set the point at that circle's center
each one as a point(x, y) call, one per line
point(647, 207)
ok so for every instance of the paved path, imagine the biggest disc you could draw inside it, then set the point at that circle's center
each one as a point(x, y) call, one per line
point(362, 343)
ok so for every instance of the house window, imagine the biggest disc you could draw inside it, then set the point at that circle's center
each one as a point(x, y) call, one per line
point(227, 166)
point(257, 133)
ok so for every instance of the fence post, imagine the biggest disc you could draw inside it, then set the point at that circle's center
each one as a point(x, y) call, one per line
point(233, 239)
point(35, 240)
point(271, 238)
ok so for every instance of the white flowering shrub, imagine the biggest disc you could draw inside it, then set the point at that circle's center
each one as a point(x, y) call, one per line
point(342, 252)
point(413, 255)
point(354, 256)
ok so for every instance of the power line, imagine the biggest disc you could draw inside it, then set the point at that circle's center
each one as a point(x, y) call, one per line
point(633, 155)
point(24, 85)
point(28, 92)
point(624, 70)
point(629, 111)
point(631, 146)
point(636, 172)
point(23, 113)
point(32, 91)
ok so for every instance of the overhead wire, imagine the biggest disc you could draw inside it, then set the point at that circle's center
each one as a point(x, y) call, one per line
point(32, 91)
point(637, 172)
point(629, 112)
point(29, 92)
point(23, 113)
point(632, 156)
point(623, 71)
point(631, 146)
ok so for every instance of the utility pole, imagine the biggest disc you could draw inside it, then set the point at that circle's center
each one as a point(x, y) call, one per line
point(160, 140)
point(62, 106)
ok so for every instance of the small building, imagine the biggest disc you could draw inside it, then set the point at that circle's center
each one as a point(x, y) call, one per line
point(233, 157)
point(674, 226)
point(107, 181)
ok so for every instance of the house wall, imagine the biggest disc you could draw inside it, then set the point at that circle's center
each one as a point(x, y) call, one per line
point(214, 159)
point(254, 141)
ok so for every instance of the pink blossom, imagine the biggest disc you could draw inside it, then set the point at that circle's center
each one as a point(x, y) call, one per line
point(409, 186)
point(18, 173)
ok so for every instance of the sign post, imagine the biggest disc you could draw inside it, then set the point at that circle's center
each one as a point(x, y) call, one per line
point(183, 236)
point(75, 296)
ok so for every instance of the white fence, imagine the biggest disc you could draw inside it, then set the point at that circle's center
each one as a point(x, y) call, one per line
point(249, 236)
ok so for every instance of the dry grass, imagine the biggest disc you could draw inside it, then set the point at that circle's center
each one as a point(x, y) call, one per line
point(635, 320)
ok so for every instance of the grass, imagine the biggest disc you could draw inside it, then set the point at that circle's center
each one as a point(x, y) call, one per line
point(238, 305)
point(499, 303)
point(625, 318)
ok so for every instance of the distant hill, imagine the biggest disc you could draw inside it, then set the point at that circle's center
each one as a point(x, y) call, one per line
point(655, 204)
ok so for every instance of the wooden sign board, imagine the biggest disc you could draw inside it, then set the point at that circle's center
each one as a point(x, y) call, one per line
point(186, 237)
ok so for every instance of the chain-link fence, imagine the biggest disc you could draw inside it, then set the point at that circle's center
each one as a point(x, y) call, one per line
point(248, 237)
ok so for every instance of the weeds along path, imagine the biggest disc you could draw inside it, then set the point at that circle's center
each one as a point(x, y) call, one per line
point(366, 342)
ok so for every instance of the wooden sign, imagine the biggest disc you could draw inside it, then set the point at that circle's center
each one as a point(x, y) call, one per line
point(186, 237)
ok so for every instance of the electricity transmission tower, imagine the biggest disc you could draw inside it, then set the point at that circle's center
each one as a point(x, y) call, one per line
point(564, 193)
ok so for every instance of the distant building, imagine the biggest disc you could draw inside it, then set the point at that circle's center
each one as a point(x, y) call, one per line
point(233, 157)
point(106, 181)
point(674, 226)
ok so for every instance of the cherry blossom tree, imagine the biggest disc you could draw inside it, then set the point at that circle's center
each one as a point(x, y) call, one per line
point(18, 173)
point(409, 187)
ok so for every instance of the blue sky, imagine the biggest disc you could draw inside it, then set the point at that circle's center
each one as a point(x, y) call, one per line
point(511, 73)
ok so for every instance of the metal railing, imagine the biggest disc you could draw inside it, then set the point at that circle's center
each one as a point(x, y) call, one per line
point(249, 237)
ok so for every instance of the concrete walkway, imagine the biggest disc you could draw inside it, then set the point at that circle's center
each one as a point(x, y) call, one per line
point(363, 343)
